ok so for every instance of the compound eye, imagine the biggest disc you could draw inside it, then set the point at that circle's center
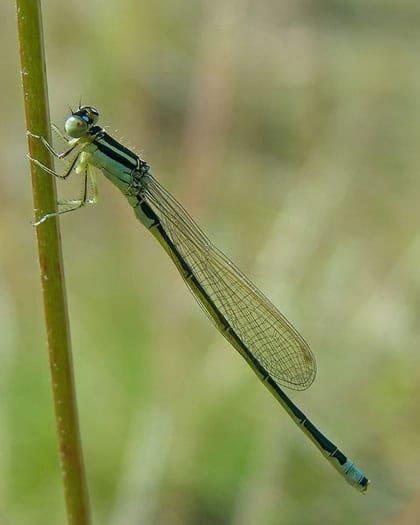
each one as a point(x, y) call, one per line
point(75, 127)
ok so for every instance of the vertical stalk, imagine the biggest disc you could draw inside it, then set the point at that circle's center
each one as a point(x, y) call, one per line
point(33, 72)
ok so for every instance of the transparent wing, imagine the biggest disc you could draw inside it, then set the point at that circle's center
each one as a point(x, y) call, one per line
point(256, 321)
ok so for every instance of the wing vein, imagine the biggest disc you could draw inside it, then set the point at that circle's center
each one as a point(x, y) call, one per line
point(267, 334)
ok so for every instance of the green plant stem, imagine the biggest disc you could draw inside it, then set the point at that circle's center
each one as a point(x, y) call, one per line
point(51, 266)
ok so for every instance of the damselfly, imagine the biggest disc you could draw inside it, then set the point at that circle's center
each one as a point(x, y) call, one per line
point(272, 347)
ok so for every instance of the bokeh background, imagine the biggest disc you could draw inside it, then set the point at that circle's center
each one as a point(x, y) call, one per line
point(290, 130)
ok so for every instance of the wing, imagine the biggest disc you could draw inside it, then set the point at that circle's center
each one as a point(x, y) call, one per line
point(266, 333)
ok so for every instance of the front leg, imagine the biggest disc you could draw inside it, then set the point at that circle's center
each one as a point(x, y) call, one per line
point(59, 133)
point(48, 146)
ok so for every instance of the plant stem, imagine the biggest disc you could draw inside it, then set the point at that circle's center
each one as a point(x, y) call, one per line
point(33, 72)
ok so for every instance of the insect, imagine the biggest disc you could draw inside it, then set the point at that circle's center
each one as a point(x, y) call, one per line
point(272, 347)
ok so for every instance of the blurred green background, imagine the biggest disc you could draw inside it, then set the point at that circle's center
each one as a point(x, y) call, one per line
point(290, 130)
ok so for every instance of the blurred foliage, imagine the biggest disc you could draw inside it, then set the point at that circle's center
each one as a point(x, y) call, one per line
point(291, 132)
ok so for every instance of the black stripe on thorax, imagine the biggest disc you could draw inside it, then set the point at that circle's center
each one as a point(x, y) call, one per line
point(114, 156)
point(116, 151)
point(116, 145)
